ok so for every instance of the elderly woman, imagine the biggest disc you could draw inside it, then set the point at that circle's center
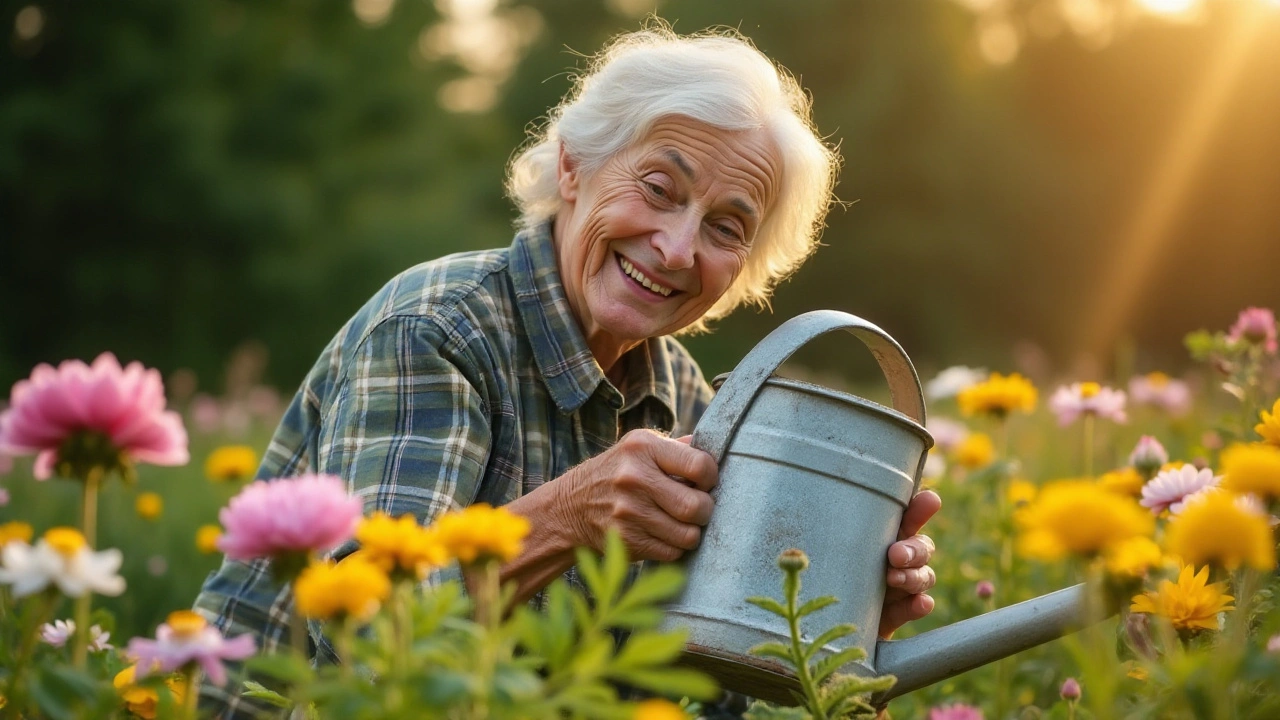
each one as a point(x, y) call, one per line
point(679, 179)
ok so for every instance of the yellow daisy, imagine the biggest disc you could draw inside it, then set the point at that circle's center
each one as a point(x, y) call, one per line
point(480, 532)
point(975, 451)
point(1132, 557)
point(1079, 517)
point(1125, 481)
point(354, 588)
point(1218, 529)
point(1252, 468)
point(400, 546)
point(207, 538)
point(1269, 428)
point(149, 505)
point(658, 709)
point(998, 395)
point(1190, 604)
point(230, 463)
point(1021, 492)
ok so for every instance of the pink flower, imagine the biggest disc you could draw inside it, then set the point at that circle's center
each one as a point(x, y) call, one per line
point(1256, 326)
point(958, 711)
point(126, 405)
point(984, 589)
point(1070, 690)
point(1088, 398)
point(1170, 489)
point(306, 514)
point(187, 638)
point(1148, 456)
point(1273, 644)
point(1159, 390)
point(58, 632)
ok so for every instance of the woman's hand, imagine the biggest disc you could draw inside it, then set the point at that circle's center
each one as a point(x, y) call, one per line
point(652, 488)
point(909, 575)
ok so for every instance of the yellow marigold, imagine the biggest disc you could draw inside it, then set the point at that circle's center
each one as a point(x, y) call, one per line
point(143, 701)
point(1125, 481)
point(480, 532)
point(1021, 492)
point(1079, 517)
point(207, 538)
point(1190, 604)
point(998, 395)
point(975, 451)
point(658, 709)
point(149, 505)
point(1217, 529)
point(400, 546)
point(1252, 468)
point(1269, 428)
point(353, 588)
point(16, 530)
point(230, 463)
point(1132, 557)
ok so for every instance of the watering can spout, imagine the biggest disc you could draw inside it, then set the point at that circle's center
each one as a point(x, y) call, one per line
point(962, 646)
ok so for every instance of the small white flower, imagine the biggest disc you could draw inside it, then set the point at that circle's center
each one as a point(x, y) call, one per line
point(947, 434)
point(1087, 398)
point(951, 381)
point(1170, 489)
point(58, 632)
point(934, 466)
point(67, 562)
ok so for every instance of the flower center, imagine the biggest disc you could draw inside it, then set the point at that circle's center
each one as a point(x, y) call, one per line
point(1158, 379)
point(67, 541)
point(186, 624)
point(1089, 389)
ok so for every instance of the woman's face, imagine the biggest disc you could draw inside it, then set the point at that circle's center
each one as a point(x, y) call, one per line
point(649, 242)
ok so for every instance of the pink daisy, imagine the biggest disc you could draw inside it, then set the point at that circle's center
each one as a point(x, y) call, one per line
point(1087, 398)
point(185, 639)
point(1257, 326)
point(1170, 489)
point(272, 518)
point(1161, 391)
point(958, 711)
point(124, 405)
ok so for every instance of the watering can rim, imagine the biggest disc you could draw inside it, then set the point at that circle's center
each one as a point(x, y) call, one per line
point(815, 389)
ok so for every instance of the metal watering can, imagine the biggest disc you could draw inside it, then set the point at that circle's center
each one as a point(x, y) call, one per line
point(812, 468)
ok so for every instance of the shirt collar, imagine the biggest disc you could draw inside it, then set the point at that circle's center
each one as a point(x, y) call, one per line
point(560, 350)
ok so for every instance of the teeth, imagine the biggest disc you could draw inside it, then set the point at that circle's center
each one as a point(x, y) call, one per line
point(631, 270)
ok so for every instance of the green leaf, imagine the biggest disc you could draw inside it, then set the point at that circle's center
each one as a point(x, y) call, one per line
point(816, 604)
point(672, 682)
point(829, 664)
point(516, 685)
point(441, 689)
point(774, 650)
point(653, 585)
point(843, 687)
point(589, 569)
point(259, 692)
point(288, 668)
point(616, 563)
point(834, 633)
point(769, 604)
point(649, 648)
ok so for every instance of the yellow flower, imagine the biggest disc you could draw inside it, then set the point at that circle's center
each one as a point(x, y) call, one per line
point(207, 538)
point(15, 530)
point(1217, 529)
point(975, 451)
point(480, 532)
point(1134, 670)
point(230, 463)
point(1125, 481)
point(399, 546)
point(1252, 468)
point(658, 709)
point(1132, 557)
point(353, 588)
point(1079, 517)
point(998, 395)
point(143, 701)
point(149, 505)
point(1189, 604)
point(1021, 492)
point(1269, 428)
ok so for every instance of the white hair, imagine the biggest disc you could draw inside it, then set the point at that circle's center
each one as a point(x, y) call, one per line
point(718, 78)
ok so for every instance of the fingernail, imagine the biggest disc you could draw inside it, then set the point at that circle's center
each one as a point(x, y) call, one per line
point(899, 577)
point(911, 553)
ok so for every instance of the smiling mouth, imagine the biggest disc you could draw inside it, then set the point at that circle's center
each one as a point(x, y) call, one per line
point(634, 273)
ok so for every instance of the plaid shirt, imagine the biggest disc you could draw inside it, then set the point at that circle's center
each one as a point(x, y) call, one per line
point(464, 380)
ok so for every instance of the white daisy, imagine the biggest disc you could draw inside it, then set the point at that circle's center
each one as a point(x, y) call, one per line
point(1170, 489)
point(62, 558)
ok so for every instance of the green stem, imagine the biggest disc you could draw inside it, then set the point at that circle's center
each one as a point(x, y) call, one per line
point(298, 634)
point(191, 696)
point(489, 614)
point(345, 640)
point(1088, 445)
point(797, 652)
point(15, 691)
point(84, 603)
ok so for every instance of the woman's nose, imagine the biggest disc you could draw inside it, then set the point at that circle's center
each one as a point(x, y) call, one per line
point(675, 243)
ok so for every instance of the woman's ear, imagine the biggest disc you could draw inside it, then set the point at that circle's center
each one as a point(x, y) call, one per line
point(567, 175)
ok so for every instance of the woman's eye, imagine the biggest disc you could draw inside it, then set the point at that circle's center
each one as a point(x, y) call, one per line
point(727, 231)
point(656, 189)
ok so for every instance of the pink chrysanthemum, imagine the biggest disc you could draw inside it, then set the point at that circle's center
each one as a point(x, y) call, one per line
point(1087, 398)
point(123, 406)
point(1256, 326)
point(273, 518)
point(1161, 391)
point(958, 711)
point(1170, 489)
point(184, 639)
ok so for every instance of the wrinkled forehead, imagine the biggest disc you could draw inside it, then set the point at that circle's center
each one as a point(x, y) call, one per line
point(748, 160)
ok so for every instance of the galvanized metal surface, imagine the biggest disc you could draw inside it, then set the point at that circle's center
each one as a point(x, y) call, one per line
point(808, 467)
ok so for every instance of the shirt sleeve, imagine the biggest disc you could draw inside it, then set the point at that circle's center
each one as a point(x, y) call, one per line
point(408, 429)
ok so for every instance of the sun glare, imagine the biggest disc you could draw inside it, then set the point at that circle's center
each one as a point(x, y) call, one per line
point(1169, 7)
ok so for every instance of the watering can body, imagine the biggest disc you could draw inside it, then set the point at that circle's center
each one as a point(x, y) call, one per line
point(812, 468)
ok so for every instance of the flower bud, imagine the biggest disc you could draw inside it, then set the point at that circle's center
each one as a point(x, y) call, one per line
point(1256, 326)
point(793, 560)
point(984, 589)
point(1070, 690)
point(1147, 456)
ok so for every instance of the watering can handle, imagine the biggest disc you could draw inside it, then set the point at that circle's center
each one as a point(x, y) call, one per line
point(720, 421)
